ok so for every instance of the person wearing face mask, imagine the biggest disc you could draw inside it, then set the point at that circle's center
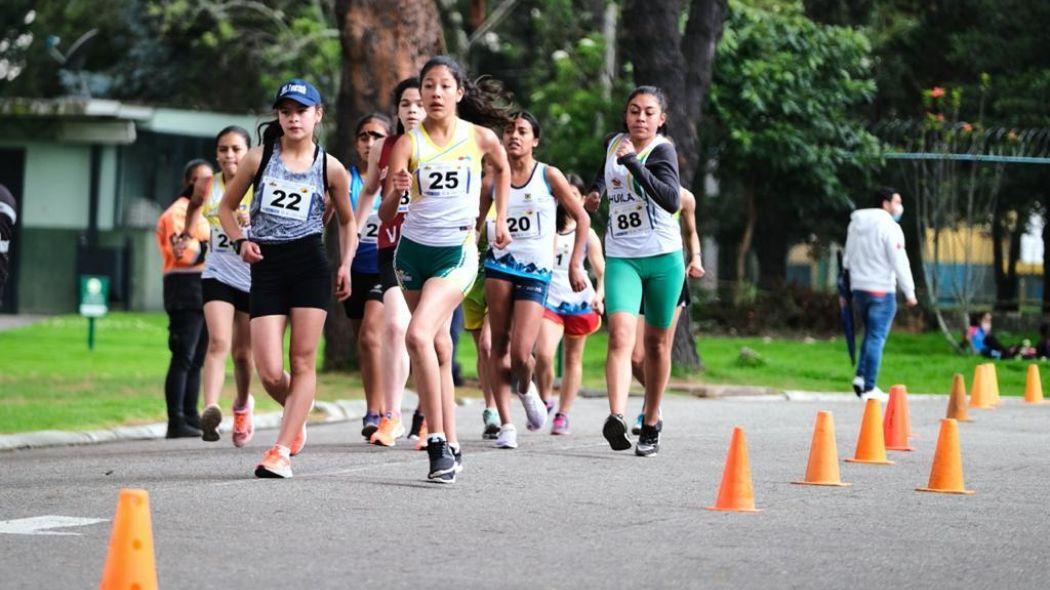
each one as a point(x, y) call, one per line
point(877, 264)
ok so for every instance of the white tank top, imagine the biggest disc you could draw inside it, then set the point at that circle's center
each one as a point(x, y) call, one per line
point(531, 222)
point(222, 263)
point(637, 227)
point(561, 299)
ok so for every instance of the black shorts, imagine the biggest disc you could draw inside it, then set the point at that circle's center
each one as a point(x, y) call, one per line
point(364, 287)
point(685, 299)
point(216, 290)
point(291, 274)
point(387, 274)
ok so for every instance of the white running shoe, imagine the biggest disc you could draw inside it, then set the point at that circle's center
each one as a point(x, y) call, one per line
point(874, 393)
point(535, 409)
point(508, 437)
point(858, 385)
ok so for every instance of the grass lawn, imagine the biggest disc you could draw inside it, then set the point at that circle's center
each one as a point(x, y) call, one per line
point(49, 380)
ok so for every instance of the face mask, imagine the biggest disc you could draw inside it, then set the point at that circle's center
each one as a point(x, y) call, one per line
point(897, 212)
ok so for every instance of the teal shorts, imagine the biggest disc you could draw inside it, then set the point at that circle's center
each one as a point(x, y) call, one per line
point(659, 278)
point(416, 263)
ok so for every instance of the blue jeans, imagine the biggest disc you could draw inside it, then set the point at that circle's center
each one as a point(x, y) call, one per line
point(877, 314)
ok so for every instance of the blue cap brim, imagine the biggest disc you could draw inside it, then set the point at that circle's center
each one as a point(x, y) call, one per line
point(295, 96)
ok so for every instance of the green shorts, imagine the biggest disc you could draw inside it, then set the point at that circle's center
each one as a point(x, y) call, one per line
point(474, 305)
point(417, 263)
point(659, 278)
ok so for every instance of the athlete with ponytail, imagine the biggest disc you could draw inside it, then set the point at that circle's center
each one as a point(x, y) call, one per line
point(643, 248)
point(436, 260)
point(293, 179)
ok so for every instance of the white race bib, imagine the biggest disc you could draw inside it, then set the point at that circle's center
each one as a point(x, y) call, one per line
point(523, 222)
point(562, 256)
point(220, 242)
point(287, 199)
point(444, 180)
point(370, 230)
point(402, 204)
point(628, 218)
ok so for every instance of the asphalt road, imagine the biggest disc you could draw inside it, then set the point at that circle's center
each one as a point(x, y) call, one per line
point(559, 512)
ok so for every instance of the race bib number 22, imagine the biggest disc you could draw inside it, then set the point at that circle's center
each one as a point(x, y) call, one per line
point(290, 200)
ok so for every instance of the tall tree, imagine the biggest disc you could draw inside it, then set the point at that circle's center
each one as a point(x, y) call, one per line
point(681, 64)
point(383, 42)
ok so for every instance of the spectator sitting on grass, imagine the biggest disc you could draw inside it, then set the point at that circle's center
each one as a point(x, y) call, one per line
point(983, 342)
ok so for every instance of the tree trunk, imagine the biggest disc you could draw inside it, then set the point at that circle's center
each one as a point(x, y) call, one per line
point(383, 42)
point(681, 65)
point(999, 235)
point(745, 241)
point(1012, 299)
point(1046, 253)
point(772, 249)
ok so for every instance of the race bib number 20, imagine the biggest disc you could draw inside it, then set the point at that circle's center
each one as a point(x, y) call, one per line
point(290, 200)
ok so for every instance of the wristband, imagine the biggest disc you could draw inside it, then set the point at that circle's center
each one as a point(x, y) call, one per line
point(237, 245)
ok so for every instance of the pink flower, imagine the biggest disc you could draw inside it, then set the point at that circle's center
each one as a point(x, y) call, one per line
point(936, 92)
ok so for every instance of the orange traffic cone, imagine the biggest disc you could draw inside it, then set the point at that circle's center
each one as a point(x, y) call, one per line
point(1033, 386)
point(957, 400)
point(946, 476)
point(131, 562)
point(993, 378)
point(895, 425)
point(823, 467)
point(981, 391)
point(736, 494)
point(871, 446)
point(421, 444)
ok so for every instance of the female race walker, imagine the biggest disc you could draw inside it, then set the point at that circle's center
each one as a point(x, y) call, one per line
point(291, 284)
point(643, 248)
point(436, 260)
point(574, 314)
point(394, 357)
point(517, 276)
point(365, 305)
point(225, 285)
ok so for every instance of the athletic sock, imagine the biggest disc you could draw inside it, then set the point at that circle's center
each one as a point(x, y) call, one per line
point(454, 446)
point(436, 437)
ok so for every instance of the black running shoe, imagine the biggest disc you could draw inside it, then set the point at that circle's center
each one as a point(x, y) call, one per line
point(442, 462)
point(417, 424)
point(615, 431)
point(649, 441)
point(457, 454)
point(370, 424)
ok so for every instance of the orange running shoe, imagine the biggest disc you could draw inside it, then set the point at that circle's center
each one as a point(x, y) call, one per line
point(243, 423)
point(421, 444)
point(274, 465)
point(390, 429)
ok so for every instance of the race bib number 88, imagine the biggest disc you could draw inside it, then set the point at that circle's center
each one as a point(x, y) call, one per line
point(628, 219)
point(290, 200)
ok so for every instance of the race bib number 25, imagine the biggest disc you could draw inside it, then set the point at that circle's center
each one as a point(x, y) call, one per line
point(444, 180)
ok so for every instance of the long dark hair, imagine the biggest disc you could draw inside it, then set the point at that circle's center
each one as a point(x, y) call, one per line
point(561, 216)
point(653, 91)
point(187, 175)
point(395, 99)
point(484, 100)
point(530, 119)
point(235, 129)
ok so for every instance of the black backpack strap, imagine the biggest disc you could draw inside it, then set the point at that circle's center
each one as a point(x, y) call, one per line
point(266, 155)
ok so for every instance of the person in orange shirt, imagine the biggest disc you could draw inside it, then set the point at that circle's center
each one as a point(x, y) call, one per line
point(187, 336)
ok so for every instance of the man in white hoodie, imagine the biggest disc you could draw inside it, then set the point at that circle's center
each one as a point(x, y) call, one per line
point(877, 264)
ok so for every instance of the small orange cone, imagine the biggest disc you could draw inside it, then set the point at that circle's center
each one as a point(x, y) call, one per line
point(131, 562)
point(957, 400)
point(871, 445)
point(823, 467)
point(736, 494)
point(993, 378)
point(421, 444)
point(946, 476)
point(1033, 386)
point(981, 391)
point(895, 425)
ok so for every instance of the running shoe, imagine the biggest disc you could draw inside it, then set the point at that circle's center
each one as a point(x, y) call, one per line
point(370, 424)
point(243, 423)
point(874, 393)
point(491, 419)
point(274, 465)
point(178, 428)
point(858, 385)
point(507, 438)
point(299, 442)
point(442, 462)
point(390, 429)
point(210, 420)
point(649, 441)
point(457, 454)
point(193, 420)
point(535, 411)
point(417, 423)
point(615, 431)
point(561, 424)
point(637, 428)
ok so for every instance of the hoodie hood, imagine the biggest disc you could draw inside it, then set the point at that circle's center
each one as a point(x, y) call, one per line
point(867, 221)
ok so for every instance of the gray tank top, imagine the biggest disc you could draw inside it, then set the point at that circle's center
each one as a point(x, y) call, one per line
point(288, 205)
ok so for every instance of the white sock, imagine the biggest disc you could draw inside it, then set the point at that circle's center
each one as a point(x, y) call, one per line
point(436, 436)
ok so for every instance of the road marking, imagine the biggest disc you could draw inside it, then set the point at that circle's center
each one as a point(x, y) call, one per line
point(39, 525)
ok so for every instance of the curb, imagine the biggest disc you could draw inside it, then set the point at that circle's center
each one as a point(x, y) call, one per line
point(337, 411)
